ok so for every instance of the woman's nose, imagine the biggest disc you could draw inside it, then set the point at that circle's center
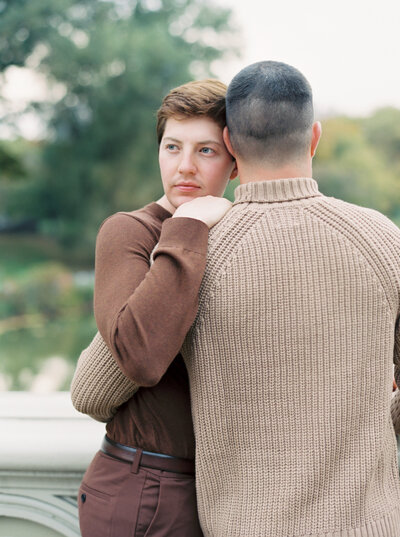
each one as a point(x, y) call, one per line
point(187, 164)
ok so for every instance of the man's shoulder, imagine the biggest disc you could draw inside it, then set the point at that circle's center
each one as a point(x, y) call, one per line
point(364, 218)
point(370, 232)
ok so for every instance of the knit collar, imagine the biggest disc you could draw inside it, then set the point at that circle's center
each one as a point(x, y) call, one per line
point(276, 190)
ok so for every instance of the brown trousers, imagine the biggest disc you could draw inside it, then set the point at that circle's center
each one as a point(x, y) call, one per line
point(117, 500)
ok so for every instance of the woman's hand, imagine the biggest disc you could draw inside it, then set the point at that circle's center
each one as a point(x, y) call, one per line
point(208, 209)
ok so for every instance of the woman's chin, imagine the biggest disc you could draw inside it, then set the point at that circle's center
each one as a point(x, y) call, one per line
point(180, 199)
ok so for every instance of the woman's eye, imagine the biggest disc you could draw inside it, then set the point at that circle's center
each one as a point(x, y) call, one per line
point(171, 147)
point(207, 150)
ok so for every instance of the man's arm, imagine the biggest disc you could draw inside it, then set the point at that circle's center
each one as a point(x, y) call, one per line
point(99, 387)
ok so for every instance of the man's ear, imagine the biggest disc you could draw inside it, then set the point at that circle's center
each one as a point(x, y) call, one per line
point(227, 141)
point(316, 135)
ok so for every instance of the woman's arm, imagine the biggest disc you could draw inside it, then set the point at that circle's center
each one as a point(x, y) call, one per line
point(99, 385)
point(144, 315)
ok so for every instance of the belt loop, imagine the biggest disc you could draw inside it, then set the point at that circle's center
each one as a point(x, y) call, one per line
point(136, 461)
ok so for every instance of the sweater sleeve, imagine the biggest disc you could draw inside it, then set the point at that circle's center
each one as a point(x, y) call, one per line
point(142, 312)
point(99, 387)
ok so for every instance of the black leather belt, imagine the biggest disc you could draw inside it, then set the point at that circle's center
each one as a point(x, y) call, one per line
point(148, 459)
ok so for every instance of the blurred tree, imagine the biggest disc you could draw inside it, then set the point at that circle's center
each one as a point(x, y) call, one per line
point(113, 61)
point(11, 165)
point(382, 131)
point(19, 160)
point(349, 165)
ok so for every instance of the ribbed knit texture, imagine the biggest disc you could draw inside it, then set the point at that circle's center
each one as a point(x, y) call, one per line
point(395, 411)
point(290, 362)
point(108, 387)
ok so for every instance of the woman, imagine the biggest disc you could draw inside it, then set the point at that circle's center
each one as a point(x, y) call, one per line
point(141, 482)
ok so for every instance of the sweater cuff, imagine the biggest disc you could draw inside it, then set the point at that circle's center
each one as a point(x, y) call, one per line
point(186, 233)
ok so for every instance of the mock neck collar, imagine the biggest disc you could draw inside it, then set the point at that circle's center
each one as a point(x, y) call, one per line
point(277, 190)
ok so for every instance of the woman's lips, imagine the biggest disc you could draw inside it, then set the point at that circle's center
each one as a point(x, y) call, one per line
point(187, 187)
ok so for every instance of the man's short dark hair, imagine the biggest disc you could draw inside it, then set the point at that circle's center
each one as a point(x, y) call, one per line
point(269, 112)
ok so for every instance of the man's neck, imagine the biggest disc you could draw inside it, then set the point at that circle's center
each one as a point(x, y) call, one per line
point(251, 174)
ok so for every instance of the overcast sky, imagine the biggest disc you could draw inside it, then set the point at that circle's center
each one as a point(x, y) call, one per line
point(348, 49)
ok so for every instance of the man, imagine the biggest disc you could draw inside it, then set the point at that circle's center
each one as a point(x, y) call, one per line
point(290, 358)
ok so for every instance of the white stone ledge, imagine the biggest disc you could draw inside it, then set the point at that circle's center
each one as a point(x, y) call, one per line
point(45, 448)
point(45, 432)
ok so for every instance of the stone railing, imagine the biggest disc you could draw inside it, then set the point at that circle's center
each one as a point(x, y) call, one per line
point(44, 450)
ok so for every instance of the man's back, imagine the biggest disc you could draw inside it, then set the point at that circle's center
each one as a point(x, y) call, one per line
point(291, 363)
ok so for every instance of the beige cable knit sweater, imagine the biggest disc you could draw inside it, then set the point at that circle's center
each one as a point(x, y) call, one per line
point(290, 362)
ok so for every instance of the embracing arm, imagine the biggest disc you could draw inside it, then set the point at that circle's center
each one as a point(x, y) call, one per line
point(143, 314)
point(99, 387)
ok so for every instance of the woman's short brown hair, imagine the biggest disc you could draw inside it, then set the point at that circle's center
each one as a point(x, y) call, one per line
point(200, 98)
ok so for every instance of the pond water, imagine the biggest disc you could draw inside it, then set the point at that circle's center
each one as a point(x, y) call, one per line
point(46, 316)
point(43, 357)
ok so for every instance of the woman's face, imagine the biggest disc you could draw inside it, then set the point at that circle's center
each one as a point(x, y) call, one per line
point(194, 160)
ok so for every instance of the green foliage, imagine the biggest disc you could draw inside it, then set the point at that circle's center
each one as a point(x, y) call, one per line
point(382, 130)
point(115, 61)
point(24, 352)
point(45, 309)
point(230, 189)
point(11, 164)
point(20, 162)
point(47, 290)
point(352, 163)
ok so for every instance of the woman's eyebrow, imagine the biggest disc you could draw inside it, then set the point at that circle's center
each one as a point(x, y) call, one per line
point(205, 142)
point(172, 139)
point(200, 142)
